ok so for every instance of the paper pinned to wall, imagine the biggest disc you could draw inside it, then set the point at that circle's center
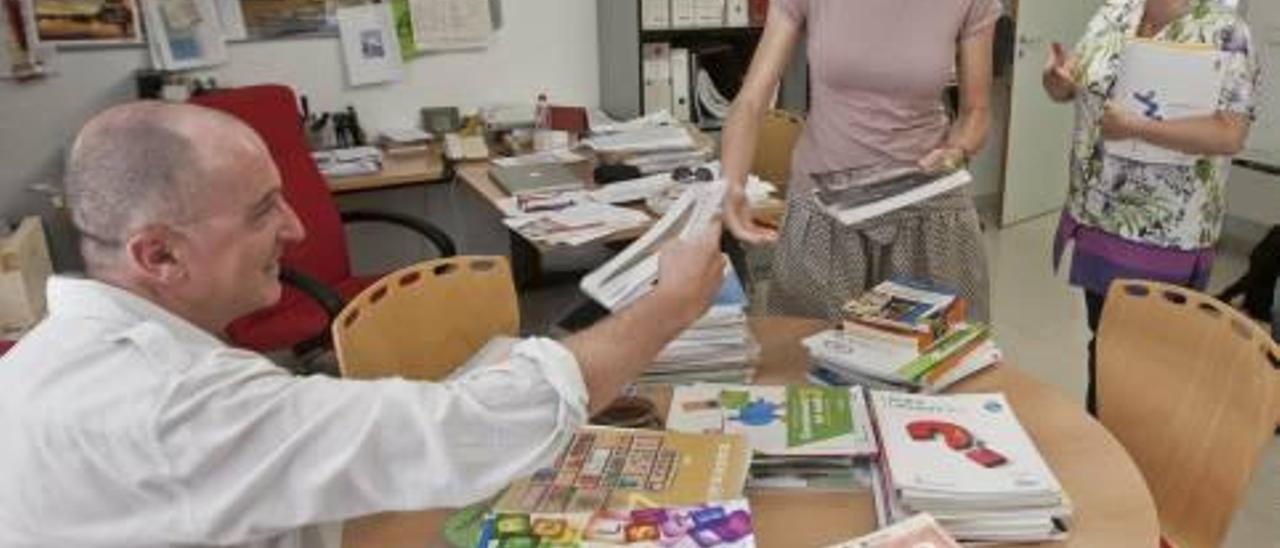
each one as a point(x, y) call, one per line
point(231, 18)
point(184, 34)
point(451, 24)
point(369, 45)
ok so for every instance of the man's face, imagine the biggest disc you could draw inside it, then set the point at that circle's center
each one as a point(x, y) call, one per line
point(232, 249)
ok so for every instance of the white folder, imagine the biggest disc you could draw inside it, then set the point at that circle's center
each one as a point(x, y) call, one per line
point(655, 14)
point(656, 73)
point(681, 92)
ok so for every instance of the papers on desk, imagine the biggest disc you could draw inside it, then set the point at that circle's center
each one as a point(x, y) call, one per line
point(661, 138)
point(602, 123)
point(558, 156)
point(582, 222)
point(347, 162)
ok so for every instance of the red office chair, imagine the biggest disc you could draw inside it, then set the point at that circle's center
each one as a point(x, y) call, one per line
point(317, 271)
point(5, 346)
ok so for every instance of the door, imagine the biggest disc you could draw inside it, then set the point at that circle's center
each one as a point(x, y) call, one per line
point(1035, 180)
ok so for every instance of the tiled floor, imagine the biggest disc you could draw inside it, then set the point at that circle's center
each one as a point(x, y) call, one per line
point(1040, 323)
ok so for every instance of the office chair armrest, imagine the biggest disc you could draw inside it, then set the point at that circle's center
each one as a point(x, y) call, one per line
point(438, 237)
point(327, 297)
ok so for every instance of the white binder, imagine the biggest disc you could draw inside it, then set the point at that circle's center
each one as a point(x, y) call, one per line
point(681, 91)
point(655, 14)
point(684, 13)
point(710, 13)
point(737, 13)
point(656, 73)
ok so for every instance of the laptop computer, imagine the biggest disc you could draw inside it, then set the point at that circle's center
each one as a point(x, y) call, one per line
point(518, 180)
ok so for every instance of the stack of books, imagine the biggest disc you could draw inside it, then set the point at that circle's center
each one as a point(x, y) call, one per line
point(654, 149)
point(812, 437)
point(902, 335)
point(719, 347)
point(966, 460)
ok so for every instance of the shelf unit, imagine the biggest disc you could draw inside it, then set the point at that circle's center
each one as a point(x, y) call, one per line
point(621, 39)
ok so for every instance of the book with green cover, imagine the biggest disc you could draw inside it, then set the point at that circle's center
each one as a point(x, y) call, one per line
point(796, 420)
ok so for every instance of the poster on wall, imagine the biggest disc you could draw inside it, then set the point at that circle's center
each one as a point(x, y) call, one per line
point(88, 22)
point(369, 45)
point(184, 34)
point(22, 56)
point(451, 24)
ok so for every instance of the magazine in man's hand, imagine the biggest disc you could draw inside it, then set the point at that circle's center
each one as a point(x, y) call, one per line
point(855, 200)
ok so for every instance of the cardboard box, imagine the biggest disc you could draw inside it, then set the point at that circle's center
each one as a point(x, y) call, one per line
point(24, 269)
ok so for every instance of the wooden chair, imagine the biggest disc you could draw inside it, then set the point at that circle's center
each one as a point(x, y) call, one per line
point(1187, 385)
point(422, 321)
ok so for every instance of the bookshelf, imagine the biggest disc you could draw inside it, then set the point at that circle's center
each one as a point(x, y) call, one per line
point(724, 51)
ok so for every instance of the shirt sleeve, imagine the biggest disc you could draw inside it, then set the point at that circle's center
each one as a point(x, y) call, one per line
point(1242, 77)
point(261, 452)
point(797, 10)
point(981, 16)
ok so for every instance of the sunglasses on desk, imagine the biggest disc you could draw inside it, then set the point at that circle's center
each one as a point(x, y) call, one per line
point(692, 175)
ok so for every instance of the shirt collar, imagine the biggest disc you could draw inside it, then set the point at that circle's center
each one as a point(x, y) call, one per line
point(76, 297)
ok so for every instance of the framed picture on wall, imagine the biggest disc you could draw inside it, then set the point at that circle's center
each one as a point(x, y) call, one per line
point(184, 34)
point(88, 22)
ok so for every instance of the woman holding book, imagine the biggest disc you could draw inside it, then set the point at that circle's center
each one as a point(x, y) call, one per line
point(878, 71)
point(1140, 219)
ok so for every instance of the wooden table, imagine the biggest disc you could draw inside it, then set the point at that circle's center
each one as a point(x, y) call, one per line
point(397, 170)
point(1112, 505)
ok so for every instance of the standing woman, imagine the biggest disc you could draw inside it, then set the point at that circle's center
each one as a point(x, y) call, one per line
point(878, 69)
point(1131, 219)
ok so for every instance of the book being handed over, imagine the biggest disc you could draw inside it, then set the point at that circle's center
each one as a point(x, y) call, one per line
point(854, 200)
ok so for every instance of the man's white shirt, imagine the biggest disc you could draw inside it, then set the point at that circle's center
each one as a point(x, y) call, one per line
point(125, 425)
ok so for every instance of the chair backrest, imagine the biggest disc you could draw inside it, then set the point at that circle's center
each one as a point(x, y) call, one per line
point(1186, 384)
point(422, 321)
point(778, 134)
point(272, 111)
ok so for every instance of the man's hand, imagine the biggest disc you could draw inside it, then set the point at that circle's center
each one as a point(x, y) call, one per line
point(737, 218)
point(1060, 73)
point(1119, 124)
point(690, 273)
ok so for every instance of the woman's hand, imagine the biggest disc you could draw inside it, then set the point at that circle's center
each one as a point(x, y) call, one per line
point(943, 158)
point(1118, 124)
point(1059, 77)
point(737, 218)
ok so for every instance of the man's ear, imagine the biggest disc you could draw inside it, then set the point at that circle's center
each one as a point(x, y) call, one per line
point(152, 253)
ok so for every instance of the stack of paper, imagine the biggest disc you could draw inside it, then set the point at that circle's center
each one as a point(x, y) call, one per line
point(801, 436)
point(651, 148)
point(718, 347)
point(966, 460)
point(579, 222)
point(347, 162)
point(724, 524)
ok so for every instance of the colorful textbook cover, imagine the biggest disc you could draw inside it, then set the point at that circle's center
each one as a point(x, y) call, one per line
point(796, 420)
point(621, 469)
point(724, 524)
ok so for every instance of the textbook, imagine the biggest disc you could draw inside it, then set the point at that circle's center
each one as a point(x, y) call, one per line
point(884, 192)
point(801, 436)
point(913, 307)
point(967, 460)
point(1165, 81)
point(725, 524)
point(621, 469)
point(631, 274)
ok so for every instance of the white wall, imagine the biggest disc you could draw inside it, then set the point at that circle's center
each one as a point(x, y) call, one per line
point(537, 49)
point(1253, 196)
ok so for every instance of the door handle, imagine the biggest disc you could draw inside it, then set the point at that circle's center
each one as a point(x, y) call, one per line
point(1024, 40)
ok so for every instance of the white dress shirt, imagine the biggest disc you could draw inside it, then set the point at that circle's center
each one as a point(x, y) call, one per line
point(122, 424)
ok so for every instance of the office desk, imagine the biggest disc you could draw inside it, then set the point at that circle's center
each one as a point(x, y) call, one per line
point(526, 255)
point(1112, 505)
point(397, 170)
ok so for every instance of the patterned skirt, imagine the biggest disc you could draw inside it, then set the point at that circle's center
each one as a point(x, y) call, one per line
point(820, 264)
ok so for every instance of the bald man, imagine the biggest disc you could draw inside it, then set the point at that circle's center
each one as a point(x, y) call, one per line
point(127, 421)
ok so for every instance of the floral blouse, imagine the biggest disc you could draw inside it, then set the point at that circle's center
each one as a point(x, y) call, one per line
point(1172, 206)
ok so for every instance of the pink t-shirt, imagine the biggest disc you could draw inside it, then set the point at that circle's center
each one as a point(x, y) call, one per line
point(877, 71)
